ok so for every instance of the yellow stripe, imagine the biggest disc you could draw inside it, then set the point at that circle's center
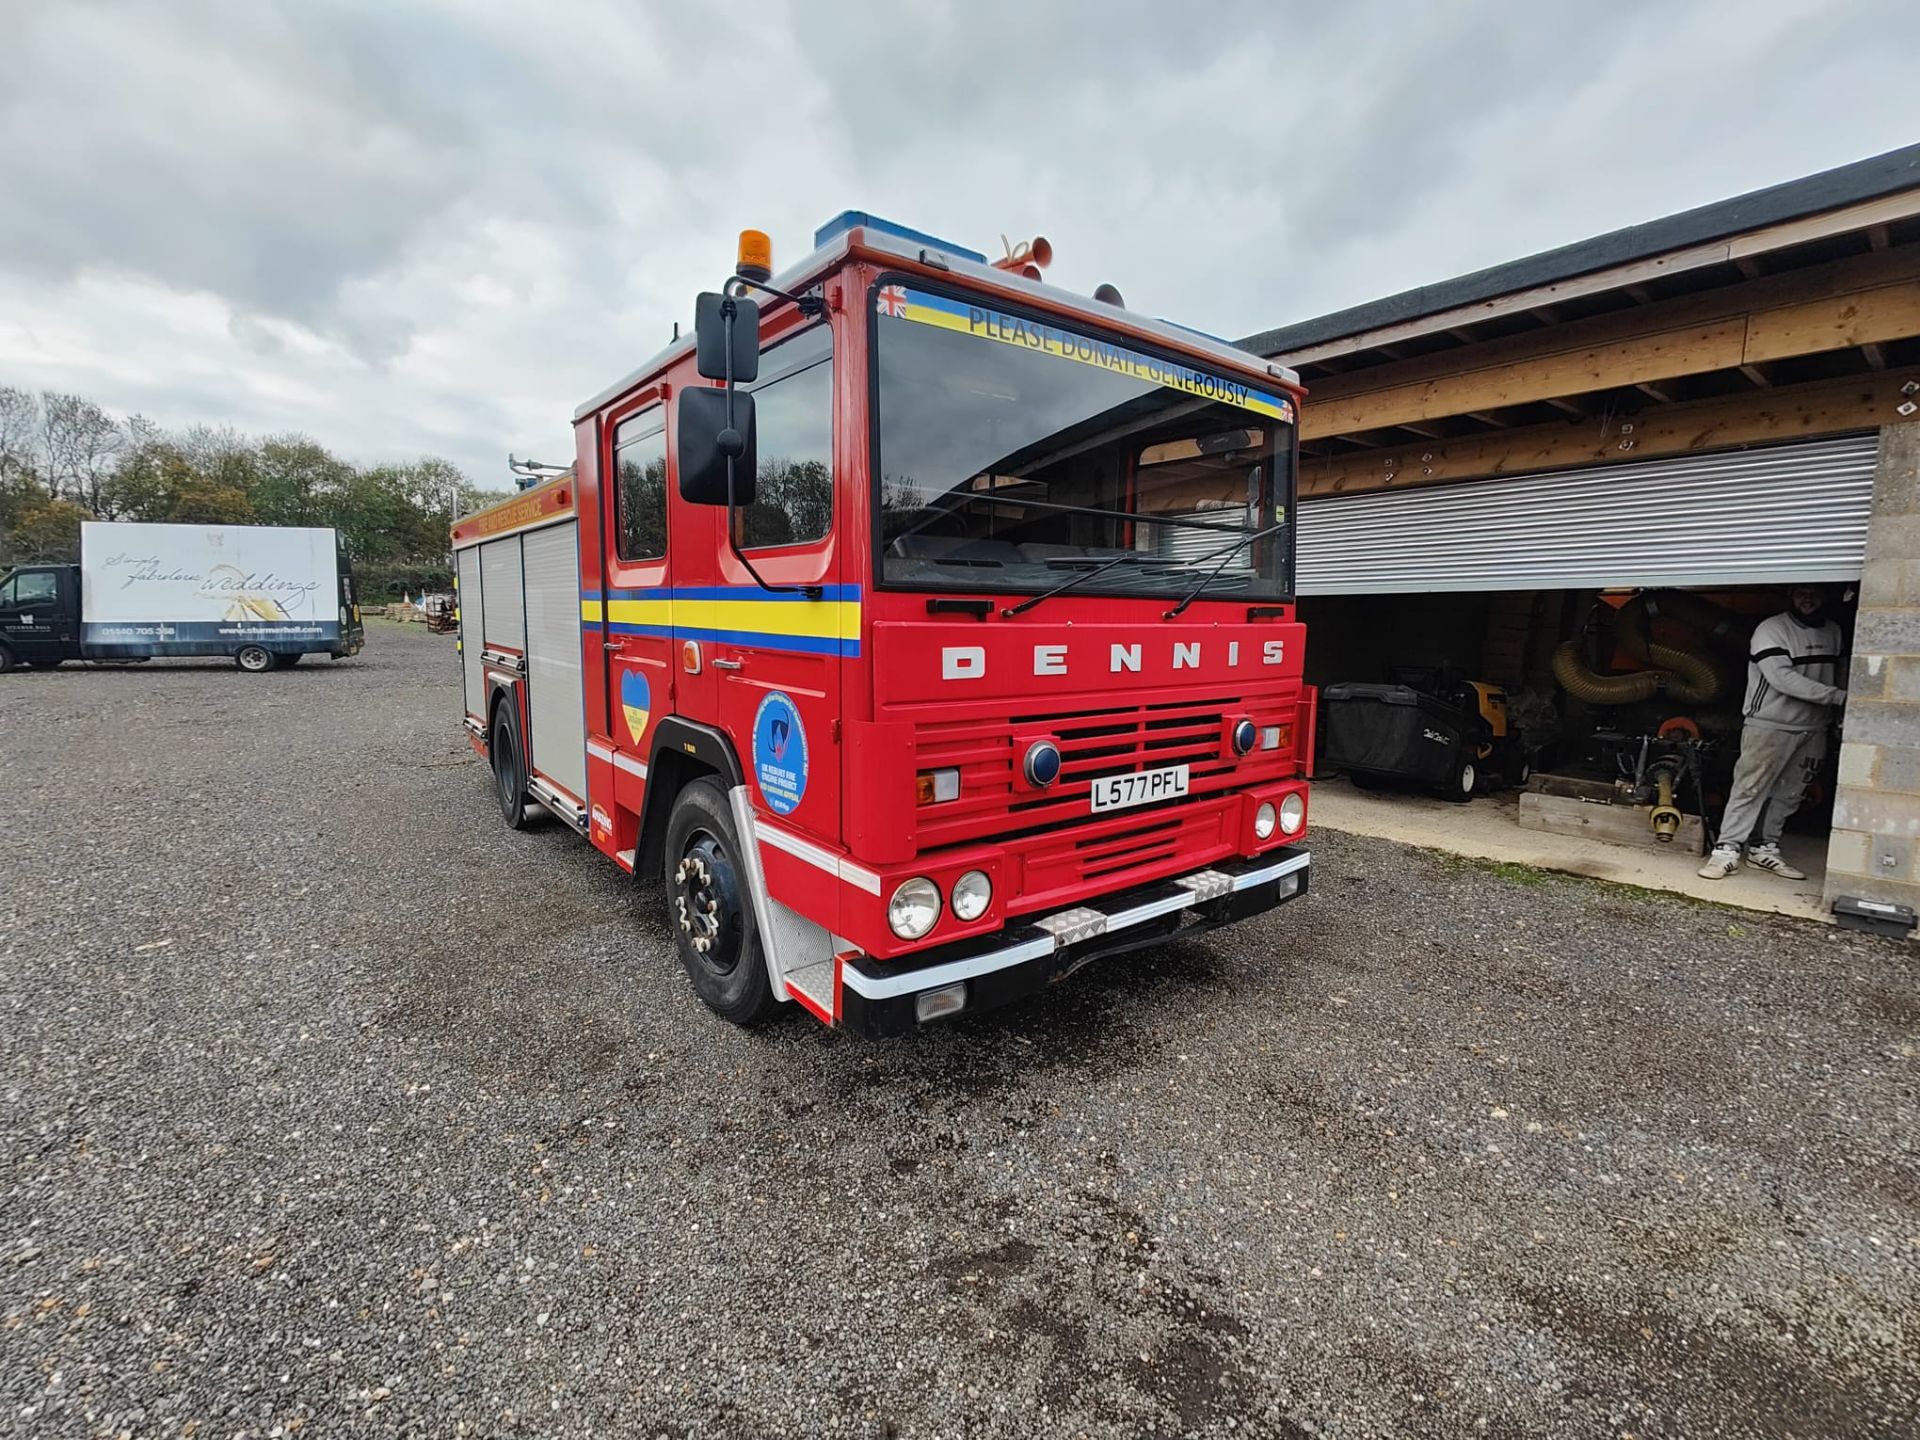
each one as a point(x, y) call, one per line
point(823, 619)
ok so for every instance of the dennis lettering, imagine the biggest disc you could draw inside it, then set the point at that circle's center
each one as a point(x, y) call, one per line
point(969, 662)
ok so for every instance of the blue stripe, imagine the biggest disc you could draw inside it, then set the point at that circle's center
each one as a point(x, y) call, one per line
point(719, 592)
point(802, 644)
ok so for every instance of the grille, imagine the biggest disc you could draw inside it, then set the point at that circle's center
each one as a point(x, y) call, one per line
point(1096, 740)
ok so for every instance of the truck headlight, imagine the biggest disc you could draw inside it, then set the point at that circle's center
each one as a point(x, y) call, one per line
point(1264, 819)
point(1293, 813)
point(914, 908)
point(971, 894)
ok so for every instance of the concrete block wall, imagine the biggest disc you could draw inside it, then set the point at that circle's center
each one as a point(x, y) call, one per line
point(1875, 849)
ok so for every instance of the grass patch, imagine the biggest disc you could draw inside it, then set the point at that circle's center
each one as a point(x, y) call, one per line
point(1504, 869)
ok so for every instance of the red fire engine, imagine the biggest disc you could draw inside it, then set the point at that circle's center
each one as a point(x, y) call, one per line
point(926, 629)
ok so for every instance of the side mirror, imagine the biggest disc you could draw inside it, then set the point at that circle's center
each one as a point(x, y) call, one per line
point(707, 442)
point(712, 336)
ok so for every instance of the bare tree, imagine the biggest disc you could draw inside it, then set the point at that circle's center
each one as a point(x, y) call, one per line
point(19, 432)
point(80, 441)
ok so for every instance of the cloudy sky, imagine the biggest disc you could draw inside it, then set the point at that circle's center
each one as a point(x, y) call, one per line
point(435, 226)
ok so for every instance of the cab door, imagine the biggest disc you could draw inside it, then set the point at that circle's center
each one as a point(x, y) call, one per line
point(636, 610)
point(778, 654)
point(39, 613)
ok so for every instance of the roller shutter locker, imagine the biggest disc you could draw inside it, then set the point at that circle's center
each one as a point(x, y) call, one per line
point(472, 622)
point(1765, 516)
point(555, 696)
point(506, 615)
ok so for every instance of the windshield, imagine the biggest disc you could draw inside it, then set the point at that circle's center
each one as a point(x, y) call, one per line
point(1014, 454)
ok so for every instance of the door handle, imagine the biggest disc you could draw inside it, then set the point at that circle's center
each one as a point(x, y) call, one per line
point(724, 664)
point(609, 644)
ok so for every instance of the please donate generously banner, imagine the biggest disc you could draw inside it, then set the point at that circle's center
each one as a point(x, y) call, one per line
point(984, 323)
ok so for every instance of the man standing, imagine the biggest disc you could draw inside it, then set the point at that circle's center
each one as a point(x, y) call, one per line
point(1791, 700)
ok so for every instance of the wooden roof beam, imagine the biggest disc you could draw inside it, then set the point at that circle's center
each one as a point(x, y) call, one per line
point(1663, 393)
point(1841, 305)
point(1758, 375)
point(1785, 412)
point(1566, 406)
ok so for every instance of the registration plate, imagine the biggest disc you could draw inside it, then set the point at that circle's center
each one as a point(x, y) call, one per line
point(1118, 792)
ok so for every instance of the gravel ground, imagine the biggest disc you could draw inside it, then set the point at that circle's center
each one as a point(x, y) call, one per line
point(333, 1108)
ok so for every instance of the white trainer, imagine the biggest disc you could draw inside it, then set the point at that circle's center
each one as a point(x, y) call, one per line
point(1769, 858)
point(1720, 864)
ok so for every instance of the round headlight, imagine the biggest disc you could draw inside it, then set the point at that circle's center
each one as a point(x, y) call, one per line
point(1264, 819)
point(1042, 765)
point(1293, 813)
point(971, 892)
point(914, 908)
point(1243, 737)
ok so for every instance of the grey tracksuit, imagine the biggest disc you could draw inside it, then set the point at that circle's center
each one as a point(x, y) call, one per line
point(1791, 700)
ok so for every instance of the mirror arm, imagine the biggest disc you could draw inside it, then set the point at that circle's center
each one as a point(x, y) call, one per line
point(814, 305)
point(812, 592)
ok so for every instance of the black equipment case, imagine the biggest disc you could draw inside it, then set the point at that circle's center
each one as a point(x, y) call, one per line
point(1397, 732)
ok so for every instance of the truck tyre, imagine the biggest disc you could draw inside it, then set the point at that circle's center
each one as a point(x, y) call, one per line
point(709, 910)
point(254, 659)
point(7, 662)
point(509, 766)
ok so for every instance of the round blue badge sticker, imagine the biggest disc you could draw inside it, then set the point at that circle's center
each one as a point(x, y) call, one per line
point(780, 753)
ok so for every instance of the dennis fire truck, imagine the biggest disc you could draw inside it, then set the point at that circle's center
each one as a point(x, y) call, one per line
point(925, 628)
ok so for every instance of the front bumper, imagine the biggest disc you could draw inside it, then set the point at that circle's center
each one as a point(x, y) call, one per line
point(878, 997)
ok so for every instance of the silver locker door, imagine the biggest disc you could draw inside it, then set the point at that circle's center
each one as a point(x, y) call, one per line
point(506, 614)
point(473, 677)
point(555, 696)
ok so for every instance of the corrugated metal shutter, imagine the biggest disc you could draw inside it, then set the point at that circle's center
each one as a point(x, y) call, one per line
point(1788, 512)
point(505, 614)
point(1183, 542)
point(472, 627)
point(555, 700)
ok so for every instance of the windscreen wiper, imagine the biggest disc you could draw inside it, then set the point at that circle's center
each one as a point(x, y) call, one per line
point(1125, 557)
point(1226, 554)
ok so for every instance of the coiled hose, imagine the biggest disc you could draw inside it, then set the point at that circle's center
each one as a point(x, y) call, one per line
point(1691, 676)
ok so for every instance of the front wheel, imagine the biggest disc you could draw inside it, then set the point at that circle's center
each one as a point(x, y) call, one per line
point(7, 662)
point(710, 911)
point(254, 659)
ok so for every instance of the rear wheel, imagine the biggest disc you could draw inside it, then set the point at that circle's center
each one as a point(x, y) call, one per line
point(1465, 777)
point(254, 659)
point(509, 773)
point(709, 910)
point(7, 662)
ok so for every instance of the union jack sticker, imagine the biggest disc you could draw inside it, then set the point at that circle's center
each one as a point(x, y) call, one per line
point(892, 301)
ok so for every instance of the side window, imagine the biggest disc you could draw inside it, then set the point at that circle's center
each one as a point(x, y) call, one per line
point(33, 591)
point(640, 463)
point(793, 425)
